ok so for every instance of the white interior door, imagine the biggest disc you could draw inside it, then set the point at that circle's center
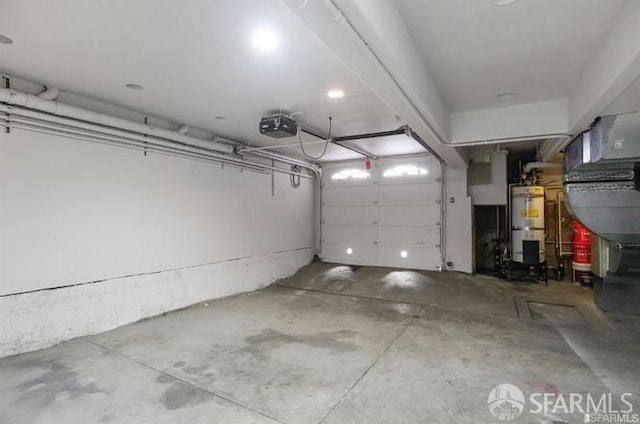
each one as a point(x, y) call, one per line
point(388, 215)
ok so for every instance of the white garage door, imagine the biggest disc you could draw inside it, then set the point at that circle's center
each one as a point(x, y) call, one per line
point(388, 215)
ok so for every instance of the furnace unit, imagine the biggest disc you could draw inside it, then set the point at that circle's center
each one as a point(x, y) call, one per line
point(601, 184)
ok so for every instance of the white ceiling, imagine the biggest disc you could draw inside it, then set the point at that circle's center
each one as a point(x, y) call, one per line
point(196, 61)
point(535, 48)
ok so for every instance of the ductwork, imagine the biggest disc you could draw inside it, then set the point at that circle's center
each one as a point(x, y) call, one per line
point(602, 178)
point(602, 190)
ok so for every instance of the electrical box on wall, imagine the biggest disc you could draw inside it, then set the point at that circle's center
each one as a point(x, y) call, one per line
point(480, 173)
point(488, 179)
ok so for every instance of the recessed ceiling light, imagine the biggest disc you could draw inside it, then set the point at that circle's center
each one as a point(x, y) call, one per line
point(134, 87)
point(503, 2)
point(5, 40)
point(264, 39)
point(505, 95)
point(404, 254)
point(349, 251)
point(335, 94)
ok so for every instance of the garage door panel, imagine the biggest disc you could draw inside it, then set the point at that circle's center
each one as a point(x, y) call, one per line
point(409, 215)
point(350, 233)
point(361, 254)
point(365, 214)
point(409, 193)
point(372, 219)
point(408, 179)
point(427, 236)
point(349, 194)
point(416, 257)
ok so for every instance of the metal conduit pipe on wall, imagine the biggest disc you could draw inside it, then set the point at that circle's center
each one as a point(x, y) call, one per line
point(31, 101)
point(37, 114)
point(49, 93)
point(70, 120)
point(275, 156)
point(148, 147)
point(317, 189)
point(142, 146)
point(25, 116)
point(22, 115)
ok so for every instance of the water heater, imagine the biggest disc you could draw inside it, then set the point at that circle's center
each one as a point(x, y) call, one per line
point(527, 220)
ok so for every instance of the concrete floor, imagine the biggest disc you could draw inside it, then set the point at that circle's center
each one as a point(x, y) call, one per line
point(335, 344)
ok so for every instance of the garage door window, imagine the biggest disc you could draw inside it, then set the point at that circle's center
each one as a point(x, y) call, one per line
point(405, 170)
point(350, 174)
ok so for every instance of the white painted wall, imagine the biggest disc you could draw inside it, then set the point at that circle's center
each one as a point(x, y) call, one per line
point(458, 228)
point(130, 236)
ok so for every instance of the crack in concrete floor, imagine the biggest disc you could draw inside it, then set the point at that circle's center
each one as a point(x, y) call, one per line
point(381, 345)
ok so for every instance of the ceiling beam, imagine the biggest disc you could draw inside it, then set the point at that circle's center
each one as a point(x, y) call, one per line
point(531, 120)
point(372, 39)
point(551, 147)
point(614, 67)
